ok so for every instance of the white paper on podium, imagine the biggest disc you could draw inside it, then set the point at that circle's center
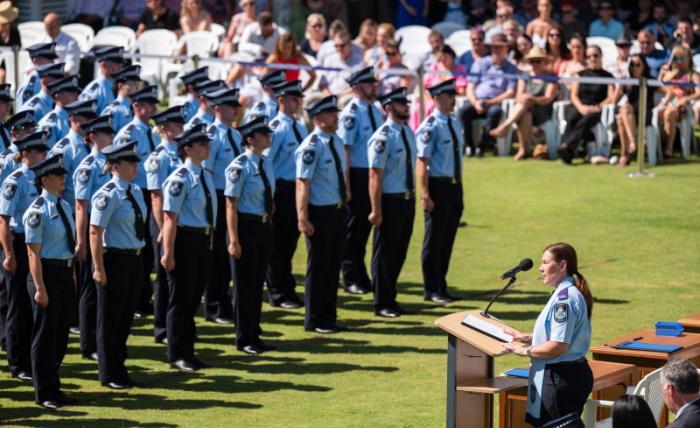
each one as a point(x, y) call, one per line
point(487, 328)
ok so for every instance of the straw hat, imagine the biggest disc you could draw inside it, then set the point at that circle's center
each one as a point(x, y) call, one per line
point(8, 13)
point(537, 53)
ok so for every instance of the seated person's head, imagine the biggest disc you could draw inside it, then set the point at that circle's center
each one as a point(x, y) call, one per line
point(632, 411)
point(680, 383)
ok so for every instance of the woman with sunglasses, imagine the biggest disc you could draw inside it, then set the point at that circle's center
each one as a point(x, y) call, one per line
point(577, 62)
point(678, 98)
point(239, 21)
point(627, 115)
point(315, 34)
point(538, 28)
point(558, 51)
point(588, 101)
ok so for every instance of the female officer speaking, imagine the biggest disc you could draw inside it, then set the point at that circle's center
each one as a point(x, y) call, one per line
point(117, 233)
point(560, 378)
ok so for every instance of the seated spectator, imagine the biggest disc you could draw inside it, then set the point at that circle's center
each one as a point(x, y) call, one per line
point(239, 21)
point(412, 12)
point(684, 34)
point(512, 30)
point(570, 23)
point(656, 58)
point(194, 17)
point(660, 25)
point(606, 25)
point(641, 16)
point(367, 37)
point(445, 63)
point(376, 55)
point(91, 12)
point(538, 28)
point(628, 113)
point(9, 36)
point(632, 411)
point(157, 16)
point(315, 34)
point(286, 52)
point(263, 33)
point(556, 50)
point(333, 82)
point(67, 48)
point(390, 80)
point(478, 50)
point(587, 101)
point(534, 99)
point(485, 93)
point(570, 68)
point(619, 67)
point(678, 99)
point(503, 14)
point(523, 44)
point(680, 386)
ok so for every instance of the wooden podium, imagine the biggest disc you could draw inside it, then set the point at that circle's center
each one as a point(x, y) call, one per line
point(470, 381)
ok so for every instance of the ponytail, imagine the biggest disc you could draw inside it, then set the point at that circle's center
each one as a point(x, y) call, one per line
point(585, 290)
point(561, 251)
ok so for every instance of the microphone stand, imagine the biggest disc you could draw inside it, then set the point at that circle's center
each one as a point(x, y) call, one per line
point(485, 314)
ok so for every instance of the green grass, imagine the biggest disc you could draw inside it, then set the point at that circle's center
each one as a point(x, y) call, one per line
point(638, 243)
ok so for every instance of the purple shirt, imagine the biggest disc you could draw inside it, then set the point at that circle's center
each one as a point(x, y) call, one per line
point(488, 86)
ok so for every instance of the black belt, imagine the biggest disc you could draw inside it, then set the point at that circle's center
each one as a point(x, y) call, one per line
point(568, 363)
point(285, 183)
point(58, 262)
point(124, 251)
point(18, 235)
point(404, 195)
point(200, 230)
point(254, 217)
point(337, 206)
point(449, 180)
point(219, 192)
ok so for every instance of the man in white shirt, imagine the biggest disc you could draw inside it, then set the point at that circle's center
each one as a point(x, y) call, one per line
point(333, 82)
point(67, 48)
point(263, 33)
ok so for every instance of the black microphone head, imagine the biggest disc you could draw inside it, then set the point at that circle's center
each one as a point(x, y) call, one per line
point(525, 264)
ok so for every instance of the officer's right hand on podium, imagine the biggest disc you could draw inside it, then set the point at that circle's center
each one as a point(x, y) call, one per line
point(518, 336)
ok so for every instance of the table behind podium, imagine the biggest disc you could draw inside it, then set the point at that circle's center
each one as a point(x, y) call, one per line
point(470, 380)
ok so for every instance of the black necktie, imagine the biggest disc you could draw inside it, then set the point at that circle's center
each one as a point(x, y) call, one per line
point(338, 170)
point(66, 224)
point(297, 134)
point(139, 224)
point(409, 164)
point(229, 135)
point(372, 121)
point(5, 140)
point(455, 151)
point(149, 134)
point(210, 209)
point(268, 189)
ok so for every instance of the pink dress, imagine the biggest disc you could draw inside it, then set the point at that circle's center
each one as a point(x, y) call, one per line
point(431, 80)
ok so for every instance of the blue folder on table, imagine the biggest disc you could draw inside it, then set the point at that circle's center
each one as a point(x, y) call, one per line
point(523, 373)
point(642, 346)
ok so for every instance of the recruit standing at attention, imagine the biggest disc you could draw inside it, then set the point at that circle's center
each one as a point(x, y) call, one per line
point(560, 378)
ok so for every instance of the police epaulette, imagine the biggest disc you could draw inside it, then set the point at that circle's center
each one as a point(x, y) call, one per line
point(89, 159)
point(158, 150)
point(242, 158)
point(563, 294)
point(385, 129)
point(274, 124)
point(313, 139)
point(51, 117)
point(38, 202)
point(431, 119)
point(17, 174)
point(181, 172)
point(63, 143)
point(109, 186)
point(353, 108)
point(94, 86)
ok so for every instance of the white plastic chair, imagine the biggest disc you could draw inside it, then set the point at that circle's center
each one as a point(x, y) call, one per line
point(157, 42)
point(218, 30)
point(116, 36)
point(603, 131)
point(83, 35)
point(460, 41)
point(447, 28)
point(412, 34)
point(649, 388)
point(654, 145)
point(200, 43)
point(31, 32)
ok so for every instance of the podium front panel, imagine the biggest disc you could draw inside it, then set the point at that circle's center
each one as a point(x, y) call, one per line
point(467, 363)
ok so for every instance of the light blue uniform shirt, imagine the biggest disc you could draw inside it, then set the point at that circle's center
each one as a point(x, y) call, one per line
point(112, 211)
point(283, 143)
point(18, 192)
point(222, 151)
point(101, 90)
point(137, 131)
point(314, 161)
point(30, 86)
point(41, 104)
point(434, 142)
point(89, 176)
point(56, 123)
point(161, 163)
point(73, 150)
point(7, 163)
point(184, 194)
point(244, 181)
point(202, 116)
point(190, 107)
point(386, 151)
point(121, 111)
point(44, 226)
point(355, 128)
point(267, 107)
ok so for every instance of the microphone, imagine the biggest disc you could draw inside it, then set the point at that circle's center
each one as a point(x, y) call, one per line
point(523, 266)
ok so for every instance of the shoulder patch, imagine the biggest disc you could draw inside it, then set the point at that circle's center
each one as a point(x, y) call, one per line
point(175, 188)
point(101, 201)
point(153, 164)
point(234, 174)
point(34, 219)
point(563, 294)
point(308, 156)
point(425, 135)
point(9, 190)
point(83, 175)
point(349, 122)
point(561, 312)
point(379, 146)
point(39, 202)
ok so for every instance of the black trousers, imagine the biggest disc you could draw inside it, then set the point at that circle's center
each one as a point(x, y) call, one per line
point(468, 114)
point(186, 285)
point(325, 249)
point(256, 247)
point(389, 249)
point(357, 230)
point(116, 303)
point(87, 304)
point(577, 128)
point(565, 389)
point(440, 230)
point(147, 258)
point(217, 300)
point(3, 300)
point(280, 281)
point(50, 331)
point(160, 287)
point(18, 324)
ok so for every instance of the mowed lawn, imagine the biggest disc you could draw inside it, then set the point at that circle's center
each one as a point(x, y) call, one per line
point(639, 246)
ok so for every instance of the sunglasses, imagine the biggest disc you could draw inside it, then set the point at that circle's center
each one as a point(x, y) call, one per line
point(554, 35)
point(593, 56)
point(678, 59)
point(252, 3)
point(477, 39)
point(503, 16)
point(317, 25)
point(635, 64)
point(644, 42)
point(392, 53)
point(341, 46)
point(536, 61)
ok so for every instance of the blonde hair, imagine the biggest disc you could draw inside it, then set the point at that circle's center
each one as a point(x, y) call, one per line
point(309, 20)
point(183, 8)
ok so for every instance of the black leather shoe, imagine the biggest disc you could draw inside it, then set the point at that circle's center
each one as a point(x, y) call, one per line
point(199, 363)
point(161, 340)
point(388, 313)
point(90, 356)
point(440, 298)
point(356, 289)
point(220, 320)
point(22, 375)
point(184, 366)
point(75, 331)
point(50, 404)
point(337, 328)
point(117, 385)
point(290, 304)
point(252, 349)
point(61, 398)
